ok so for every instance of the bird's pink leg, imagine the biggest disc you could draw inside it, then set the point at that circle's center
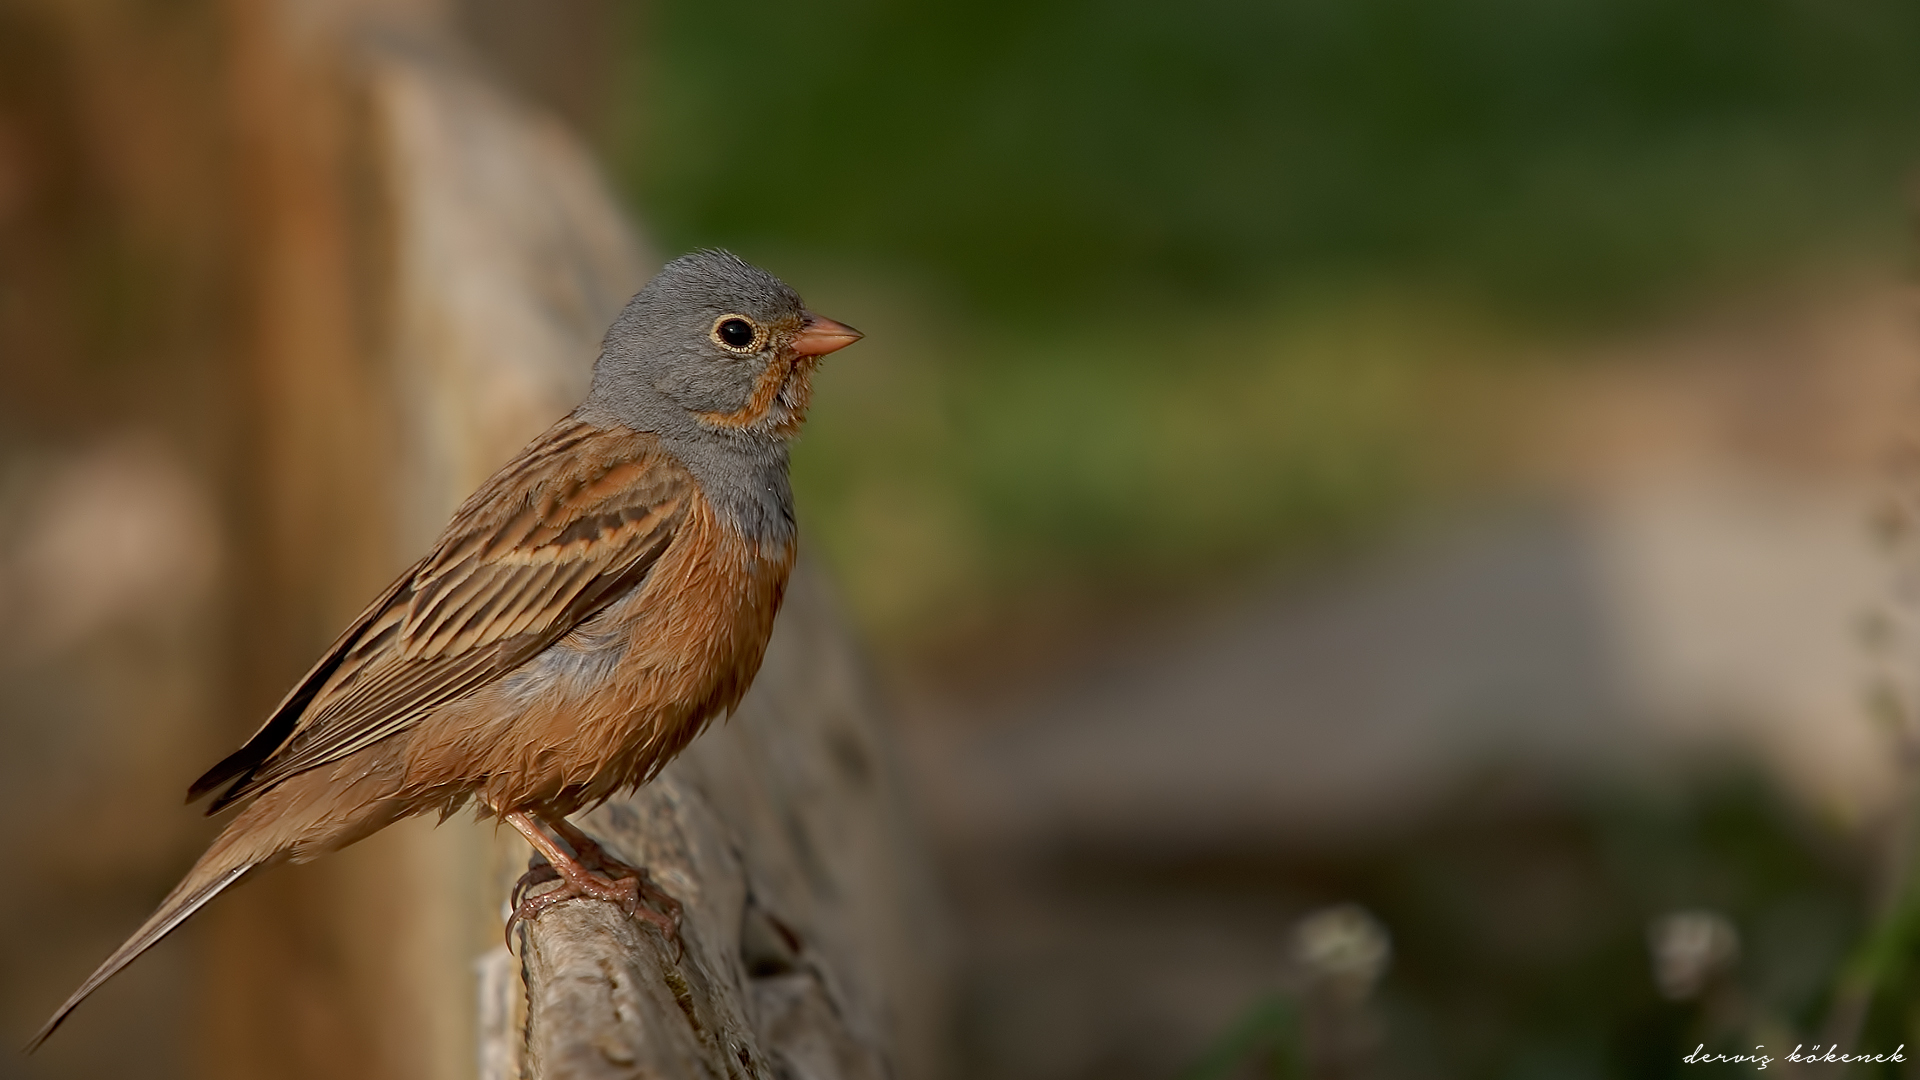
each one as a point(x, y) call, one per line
point(576, 882)
point(592, 855)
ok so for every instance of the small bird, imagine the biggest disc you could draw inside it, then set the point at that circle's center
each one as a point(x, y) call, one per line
point(589, 609)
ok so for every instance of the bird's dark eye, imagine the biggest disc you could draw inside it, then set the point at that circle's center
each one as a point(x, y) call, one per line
point(735, 332)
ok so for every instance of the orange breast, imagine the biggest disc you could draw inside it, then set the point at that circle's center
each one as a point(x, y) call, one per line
point(611, 703)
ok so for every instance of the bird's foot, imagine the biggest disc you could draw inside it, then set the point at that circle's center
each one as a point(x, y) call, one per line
point(592, 874)
point(630, 886)
point(593, 856)
point(634, 895)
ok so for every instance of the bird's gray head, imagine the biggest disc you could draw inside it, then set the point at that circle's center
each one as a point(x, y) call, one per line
point(713, 346)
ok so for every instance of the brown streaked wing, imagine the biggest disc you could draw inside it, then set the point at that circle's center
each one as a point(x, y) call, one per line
point(573, 523)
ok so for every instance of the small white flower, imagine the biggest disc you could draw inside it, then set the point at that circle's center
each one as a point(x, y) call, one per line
point(1689, 948)
point(1342, 948)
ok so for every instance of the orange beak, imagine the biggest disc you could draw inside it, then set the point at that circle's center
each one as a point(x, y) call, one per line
point(822, 335)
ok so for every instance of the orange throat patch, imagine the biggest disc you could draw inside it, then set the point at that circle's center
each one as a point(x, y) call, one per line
point(779, 400)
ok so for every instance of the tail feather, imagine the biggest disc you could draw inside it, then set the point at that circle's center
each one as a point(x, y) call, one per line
point(202, 884)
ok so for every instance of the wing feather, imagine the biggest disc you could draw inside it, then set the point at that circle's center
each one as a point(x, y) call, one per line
point(574, 522)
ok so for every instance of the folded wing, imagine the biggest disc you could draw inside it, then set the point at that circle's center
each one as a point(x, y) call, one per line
point(573, 523)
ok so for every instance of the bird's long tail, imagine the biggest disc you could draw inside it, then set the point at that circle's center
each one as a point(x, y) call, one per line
point(216, 870)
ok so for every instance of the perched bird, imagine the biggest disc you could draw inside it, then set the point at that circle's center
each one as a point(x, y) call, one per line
point(589, 609)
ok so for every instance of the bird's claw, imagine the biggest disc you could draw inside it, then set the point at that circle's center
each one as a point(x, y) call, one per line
point(627, 892)
point(539, 872)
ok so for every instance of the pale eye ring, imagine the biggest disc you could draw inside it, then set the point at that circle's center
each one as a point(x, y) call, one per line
point(736, 332)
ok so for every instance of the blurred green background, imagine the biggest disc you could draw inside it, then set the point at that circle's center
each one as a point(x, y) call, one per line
point(1167, 290)
point(1165, 298)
